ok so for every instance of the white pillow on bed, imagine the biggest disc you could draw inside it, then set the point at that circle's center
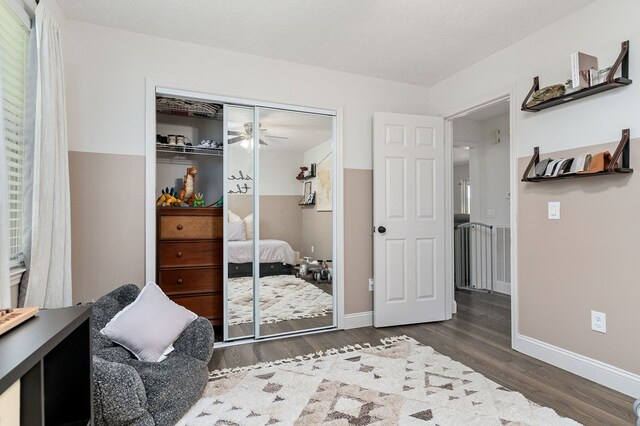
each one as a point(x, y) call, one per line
point(233, 217)
point(248, 226)
point(237, 231)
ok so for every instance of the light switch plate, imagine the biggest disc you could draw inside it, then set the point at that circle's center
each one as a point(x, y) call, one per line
point(554, 210)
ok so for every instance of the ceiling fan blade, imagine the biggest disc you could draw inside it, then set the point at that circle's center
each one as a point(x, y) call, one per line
point(236, 139)
point(262, 142)
point(235, 132)
point(276, 137)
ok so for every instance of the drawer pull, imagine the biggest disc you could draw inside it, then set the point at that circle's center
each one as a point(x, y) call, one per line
point(179, 227)
point(179, 254)
point(179, 281)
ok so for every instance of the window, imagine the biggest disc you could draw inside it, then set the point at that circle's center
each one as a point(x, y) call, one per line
point(14, 37)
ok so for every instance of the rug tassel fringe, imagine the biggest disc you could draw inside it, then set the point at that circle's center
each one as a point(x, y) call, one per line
point(387, 341)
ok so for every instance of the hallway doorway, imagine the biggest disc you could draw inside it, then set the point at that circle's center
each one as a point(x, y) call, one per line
point(481, 199)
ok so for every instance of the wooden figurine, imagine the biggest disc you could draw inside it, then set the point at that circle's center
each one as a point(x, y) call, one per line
point(186, 193)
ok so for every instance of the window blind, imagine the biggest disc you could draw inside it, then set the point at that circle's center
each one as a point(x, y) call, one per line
point(13, 51)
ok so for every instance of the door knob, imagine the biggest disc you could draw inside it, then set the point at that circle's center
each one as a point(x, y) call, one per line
point(382, 229)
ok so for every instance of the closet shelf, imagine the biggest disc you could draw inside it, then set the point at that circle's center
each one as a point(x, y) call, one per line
point(609, 84)
point(188, 108)
point(621, 153)
point(188, 150)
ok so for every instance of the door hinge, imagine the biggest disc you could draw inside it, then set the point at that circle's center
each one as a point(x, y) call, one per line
point(371, 284)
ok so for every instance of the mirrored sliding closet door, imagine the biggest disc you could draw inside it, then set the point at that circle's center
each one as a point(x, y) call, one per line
point(280, 222)
point(296, 222)
point(239, 238)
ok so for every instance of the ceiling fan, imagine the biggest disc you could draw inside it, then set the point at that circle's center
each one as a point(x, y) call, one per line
point(247, 135)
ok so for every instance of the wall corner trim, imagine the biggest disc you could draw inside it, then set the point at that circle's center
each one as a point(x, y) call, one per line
point(358, 320)
point(589, 368)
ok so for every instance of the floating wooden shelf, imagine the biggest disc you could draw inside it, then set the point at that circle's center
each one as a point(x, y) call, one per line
point(610, 83)
point(302, 201)
point(312, 173)
point(621, 153)
point(306, 178)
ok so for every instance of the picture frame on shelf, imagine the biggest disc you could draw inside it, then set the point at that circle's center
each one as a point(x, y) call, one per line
point(310, 198)
point(307, 190)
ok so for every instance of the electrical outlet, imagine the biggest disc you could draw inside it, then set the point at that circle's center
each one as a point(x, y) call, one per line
point(311, 249)
point(598, 322)
point(491, 212)
point(553, 212)
point(370, 284)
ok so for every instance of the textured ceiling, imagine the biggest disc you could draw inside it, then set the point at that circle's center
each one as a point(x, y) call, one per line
point(412, 41)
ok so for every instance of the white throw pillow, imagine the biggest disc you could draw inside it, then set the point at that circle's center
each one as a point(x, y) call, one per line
point(149, 325)
point(233, 217)
point(237, 231)
point(248, 226)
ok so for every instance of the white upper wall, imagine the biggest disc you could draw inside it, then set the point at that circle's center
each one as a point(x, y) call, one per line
point(598, 29)
point(106, 71)
point(466, 132)
point(278, 171)
point(488, 168)
point(493, 188)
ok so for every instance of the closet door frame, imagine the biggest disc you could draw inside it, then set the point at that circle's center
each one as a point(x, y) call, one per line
point(172, 88)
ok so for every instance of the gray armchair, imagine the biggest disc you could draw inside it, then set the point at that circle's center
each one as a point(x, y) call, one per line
point(132, 392)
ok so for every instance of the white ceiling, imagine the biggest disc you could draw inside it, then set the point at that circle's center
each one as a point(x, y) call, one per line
point(490, 111)
point(412, 41)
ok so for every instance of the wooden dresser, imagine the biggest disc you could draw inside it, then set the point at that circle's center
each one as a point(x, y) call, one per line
point(189, 258)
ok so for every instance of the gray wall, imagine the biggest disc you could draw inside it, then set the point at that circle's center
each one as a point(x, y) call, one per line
point(107, 226)
point(587, 260)
point(459, 172)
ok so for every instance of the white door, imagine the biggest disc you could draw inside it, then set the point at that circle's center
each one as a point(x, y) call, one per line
point(408, 218)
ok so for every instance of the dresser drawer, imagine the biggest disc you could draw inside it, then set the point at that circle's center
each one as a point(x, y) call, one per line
point(190, 227)
point(193, 253)
point(181, 281)
point(209, 307)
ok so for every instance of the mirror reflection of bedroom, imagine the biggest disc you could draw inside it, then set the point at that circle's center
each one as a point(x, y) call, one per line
point(245, 215)
point(294, 235)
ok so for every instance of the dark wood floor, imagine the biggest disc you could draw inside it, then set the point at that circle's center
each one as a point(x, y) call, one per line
point(478, 336)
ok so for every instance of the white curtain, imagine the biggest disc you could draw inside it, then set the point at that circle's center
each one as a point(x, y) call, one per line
point(5, 280)
point(48, 231)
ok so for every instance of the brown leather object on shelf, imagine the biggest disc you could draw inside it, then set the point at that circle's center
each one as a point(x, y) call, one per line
point(545, 94)
point(599, 163)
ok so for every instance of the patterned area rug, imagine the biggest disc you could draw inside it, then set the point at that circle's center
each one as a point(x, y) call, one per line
point(399, 382)
point(282, 298)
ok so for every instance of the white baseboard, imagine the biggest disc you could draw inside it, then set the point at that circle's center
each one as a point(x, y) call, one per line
point(589, 368)
point(360, 319)
point(500, 287)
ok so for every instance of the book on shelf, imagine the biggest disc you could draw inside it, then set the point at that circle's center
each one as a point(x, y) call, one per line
point(581, 66)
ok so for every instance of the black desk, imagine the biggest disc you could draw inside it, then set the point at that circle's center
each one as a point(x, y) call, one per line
point(51, 354)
